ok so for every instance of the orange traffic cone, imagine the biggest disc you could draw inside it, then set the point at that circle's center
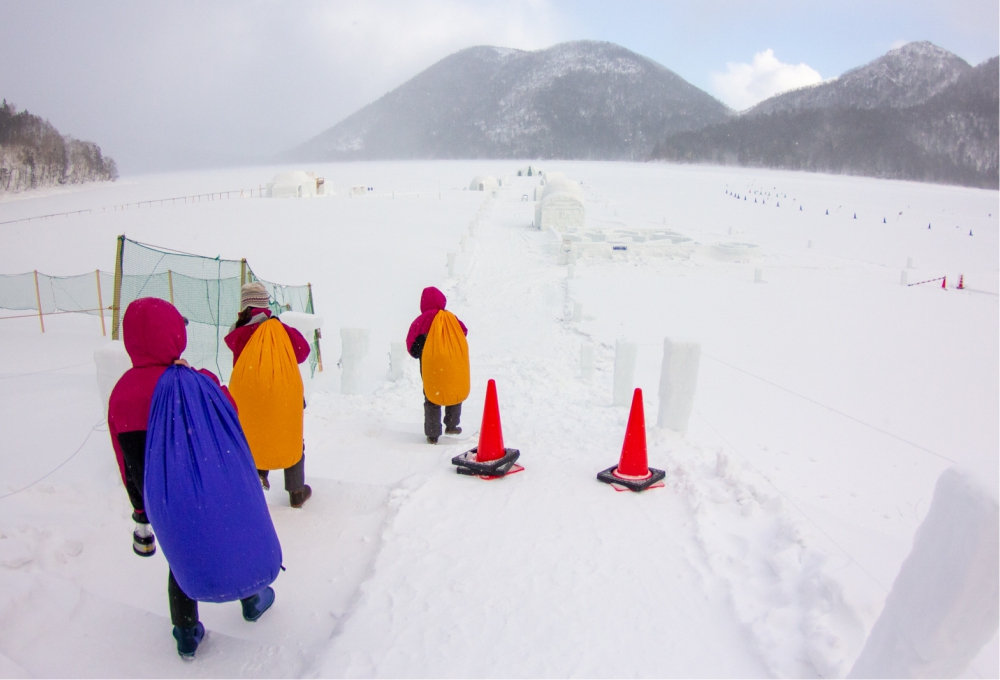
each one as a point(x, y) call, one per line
point(632, 470)
point(490, 433)
point(944, 282)
point(961, 281)
point(489, 458)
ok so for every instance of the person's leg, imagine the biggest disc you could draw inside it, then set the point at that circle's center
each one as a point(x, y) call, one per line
point(255, 605)
point(452, 416)
point(295, 482)
point(295, 476)
point(133, 445)
point(188, 630)
point(432, 420)
point(183, 610)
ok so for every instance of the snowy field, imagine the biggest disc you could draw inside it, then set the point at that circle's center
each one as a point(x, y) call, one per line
point(830, 398)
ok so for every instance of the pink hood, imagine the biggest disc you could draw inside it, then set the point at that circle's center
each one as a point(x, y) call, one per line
point(432, 301)
point(154, 337)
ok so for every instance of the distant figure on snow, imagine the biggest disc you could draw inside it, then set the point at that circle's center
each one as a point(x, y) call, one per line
point(437, 339)
point(172, 426)
point(268, 389)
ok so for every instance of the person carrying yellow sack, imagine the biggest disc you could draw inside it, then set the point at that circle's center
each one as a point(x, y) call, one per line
point(437, 338)
point(267, 387)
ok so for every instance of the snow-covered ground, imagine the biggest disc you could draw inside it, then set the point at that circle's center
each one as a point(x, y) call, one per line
point(830, 398)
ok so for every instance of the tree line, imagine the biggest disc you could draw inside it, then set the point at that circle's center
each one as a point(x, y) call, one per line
point(33, 154)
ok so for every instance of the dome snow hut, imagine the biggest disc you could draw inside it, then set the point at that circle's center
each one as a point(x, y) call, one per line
point(294, 184)
point(561, 206)
point(484, 183)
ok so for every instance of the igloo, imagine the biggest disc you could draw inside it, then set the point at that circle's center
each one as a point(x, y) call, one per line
point(560, 206)
point(484, 183)
point(294, 184)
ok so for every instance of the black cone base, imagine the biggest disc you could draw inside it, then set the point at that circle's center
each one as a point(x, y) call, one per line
point(468, 465)
point(608, 477)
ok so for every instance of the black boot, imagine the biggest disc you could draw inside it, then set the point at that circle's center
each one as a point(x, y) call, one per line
point(188, 639)
point(297, 498)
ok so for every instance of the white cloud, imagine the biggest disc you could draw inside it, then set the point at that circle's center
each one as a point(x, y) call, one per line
point(743, 85)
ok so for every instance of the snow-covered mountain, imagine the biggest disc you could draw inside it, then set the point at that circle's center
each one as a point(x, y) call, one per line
point(917, 113)
point(584, 100)
point(903, 77)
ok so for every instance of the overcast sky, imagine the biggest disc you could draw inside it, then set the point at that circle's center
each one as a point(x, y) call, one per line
point(163, 86)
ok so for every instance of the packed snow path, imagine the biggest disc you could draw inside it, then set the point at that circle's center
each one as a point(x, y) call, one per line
point(546, 572)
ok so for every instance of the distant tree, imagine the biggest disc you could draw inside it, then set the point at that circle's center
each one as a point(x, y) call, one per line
point(33, 154)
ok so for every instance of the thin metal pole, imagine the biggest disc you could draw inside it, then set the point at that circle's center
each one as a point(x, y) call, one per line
point(170, 285)
point(100, 301)
point(38, 299)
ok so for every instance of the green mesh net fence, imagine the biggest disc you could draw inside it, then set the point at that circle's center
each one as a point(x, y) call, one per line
point(86, 293)
point(207, 292)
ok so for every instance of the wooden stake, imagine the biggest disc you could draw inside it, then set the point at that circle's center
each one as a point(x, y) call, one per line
point(116, 305)
point(100, 302)
point(316, 334)
point(38, 299)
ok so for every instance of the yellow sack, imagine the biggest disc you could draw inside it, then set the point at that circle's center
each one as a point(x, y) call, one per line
point(267, 387)
point(445, 361)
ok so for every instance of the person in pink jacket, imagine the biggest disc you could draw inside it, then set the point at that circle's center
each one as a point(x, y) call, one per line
point(254, 302)
point(432, 301)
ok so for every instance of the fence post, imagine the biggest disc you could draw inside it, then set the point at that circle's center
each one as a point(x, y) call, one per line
point(38, 300)
point(100, 302)
point(116, 304)
point(316, 334)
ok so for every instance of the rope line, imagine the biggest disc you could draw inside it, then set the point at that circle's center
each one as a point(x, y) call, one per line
point(792, 503)
point(35, 315)
point(72, 455)
point(833, 410)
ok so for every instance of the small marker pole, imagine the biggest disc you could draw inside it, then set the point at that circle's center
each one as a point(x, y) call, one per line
point(38, 299)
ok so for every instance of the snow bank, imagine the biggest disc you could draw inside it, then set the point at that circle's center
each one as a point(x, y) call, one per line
point(112, 361)
point(944, 604)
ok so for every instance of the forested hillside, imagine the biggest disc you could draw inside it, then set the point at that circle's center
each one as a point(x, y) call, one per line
point(33, 154)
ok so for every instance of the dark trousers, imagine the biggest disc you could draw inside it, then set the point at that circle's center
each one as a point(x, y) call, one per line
point(295, 476)
point(432, 417)
point(184, 610)
point(133, 445)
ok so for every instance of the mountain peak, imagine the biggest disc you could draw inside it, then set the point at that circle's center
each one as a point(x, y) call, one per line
point(902, 77)
point(580, 99)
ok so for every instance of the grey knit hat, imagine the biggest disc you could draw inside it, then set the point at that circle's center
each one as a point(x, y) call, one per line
point(253, 295)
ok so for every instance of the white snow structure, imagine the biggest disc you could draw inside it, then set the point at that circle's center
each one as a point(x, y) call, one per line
point(354, 348)
point(678, 382)
point(943, 606)
point(295, 184)
point(307, 325)
point(561, 206)
point(483, 183)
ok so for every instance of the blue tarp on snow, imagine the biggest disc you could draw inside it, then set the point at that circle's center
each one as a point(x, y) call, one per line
point(203, 495)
